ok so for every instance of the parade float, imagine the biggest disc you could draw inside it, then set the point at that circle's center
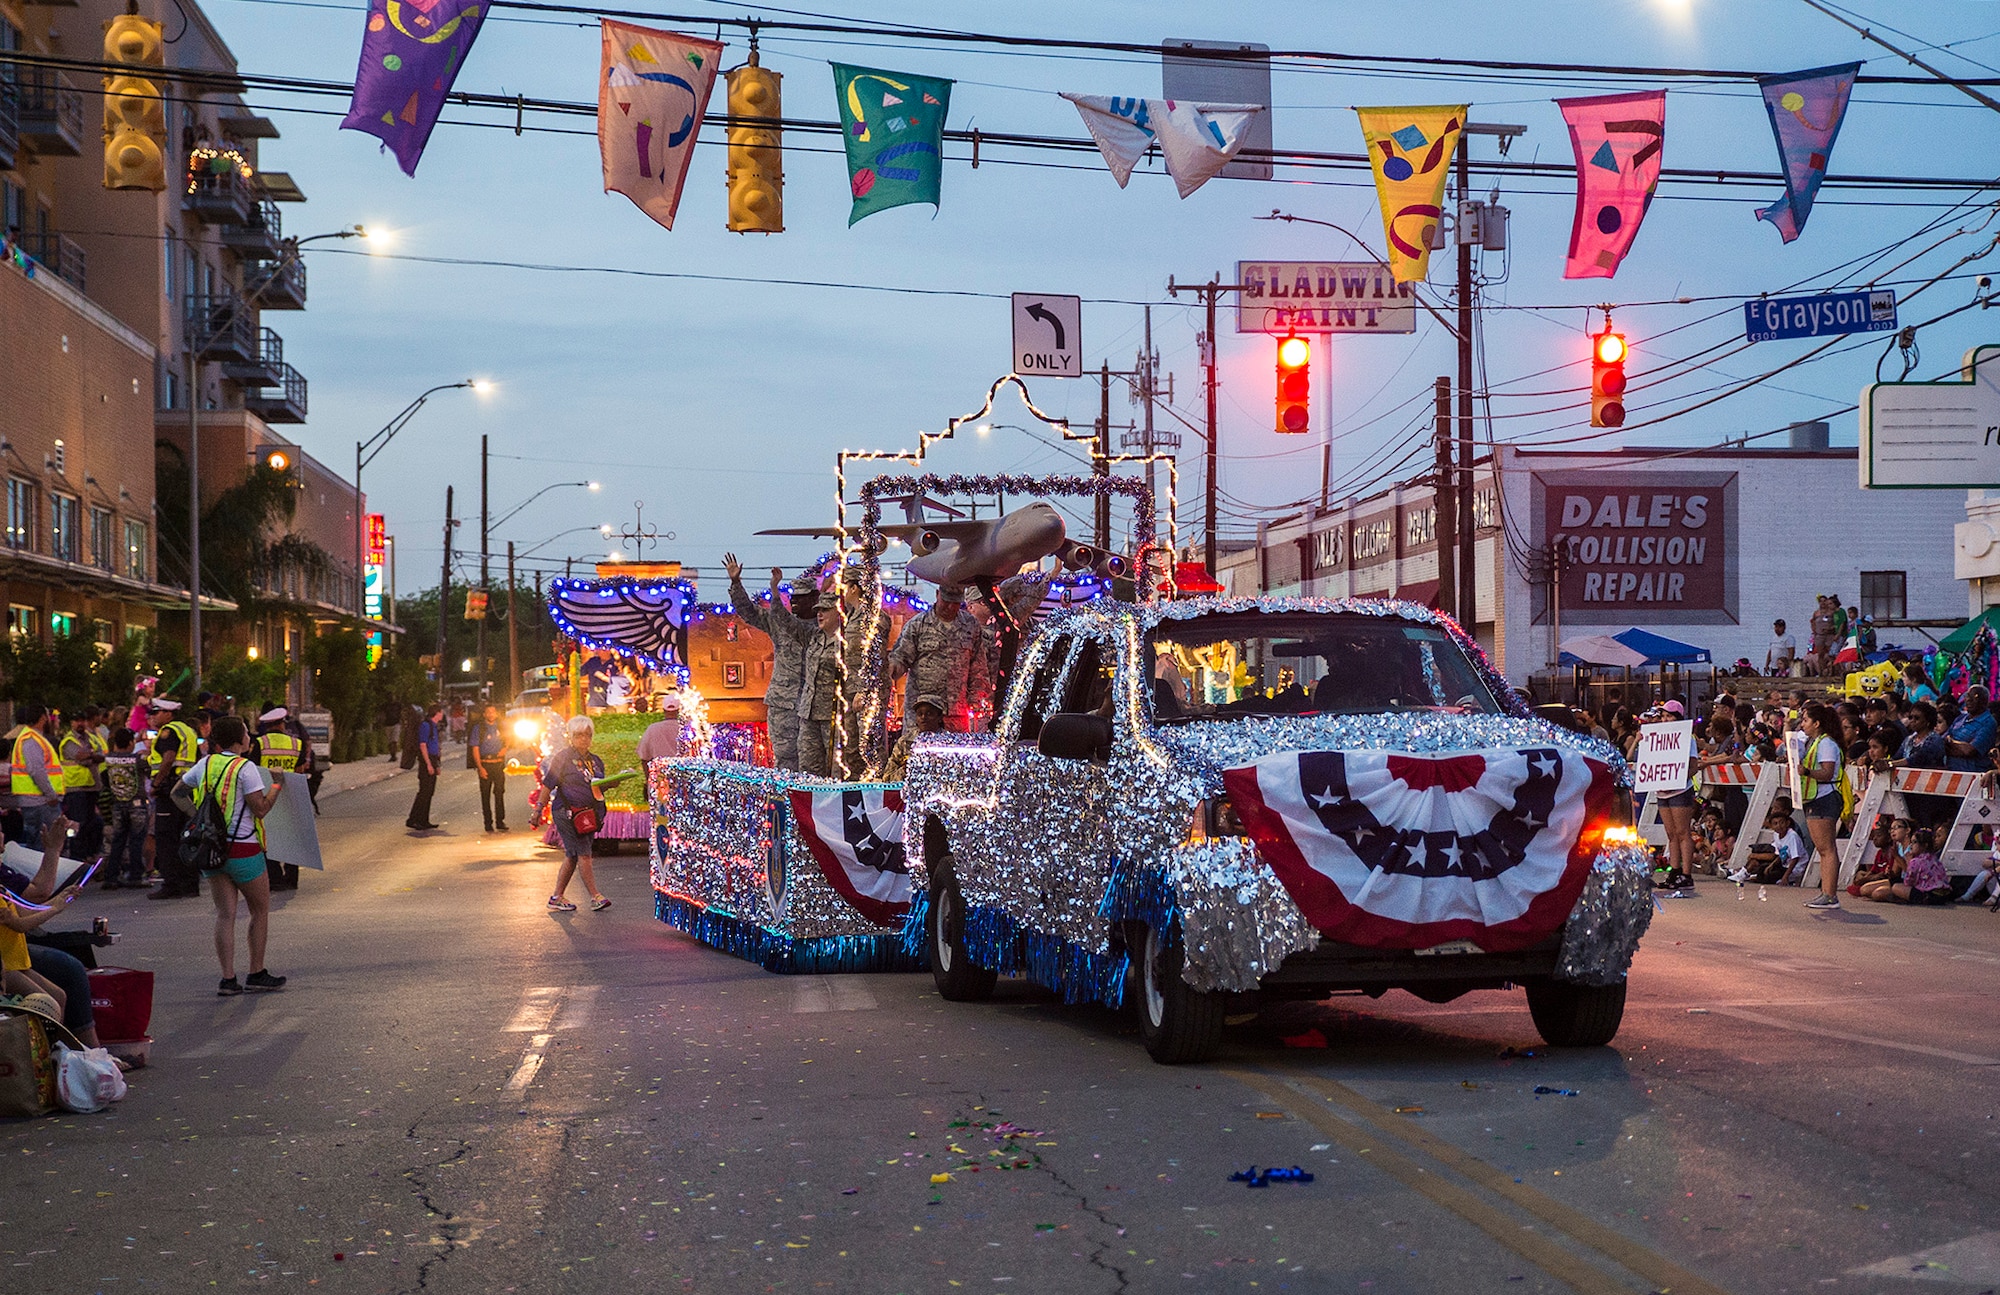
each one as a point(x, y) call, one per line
point(1193, 804)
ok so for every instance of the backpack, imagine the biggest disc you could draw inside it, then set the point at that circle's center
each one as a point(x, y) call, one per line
point(205, 844)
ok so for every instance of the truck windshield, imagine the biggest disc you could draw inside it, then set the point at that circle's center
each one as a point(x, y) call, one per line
point(1308, 663)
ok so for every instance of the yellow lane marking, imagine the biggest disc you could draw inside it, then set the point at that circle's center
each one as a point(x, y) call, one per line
point(1661, 1272)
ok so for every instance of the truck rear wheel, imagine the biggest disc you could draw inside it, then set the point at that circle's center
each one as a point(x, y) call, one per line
point(958, 978)
point(1178, 1022)
point(1576, 1016)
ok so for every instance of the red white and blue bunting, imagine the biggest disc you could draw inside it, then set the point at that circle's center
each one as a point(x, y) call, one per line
point(857, 838)
point(1393, 851)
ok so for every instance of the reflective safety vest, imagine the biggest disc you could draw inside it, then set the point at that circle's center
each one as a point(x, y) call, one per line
point(23, 783)
point(184, 758)
point(219, 778)
point(80, 775)
point(280, 751)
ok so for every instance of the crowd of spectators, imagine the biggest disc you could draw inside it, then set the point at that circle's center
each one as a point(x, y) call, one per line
point(1909, 727)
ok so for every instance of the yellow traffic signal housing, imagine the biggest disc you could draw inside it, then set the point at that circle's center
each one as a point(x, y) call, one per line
point(756, 159)
point(135, 120)
point(1294, 415)
point(1607, 379)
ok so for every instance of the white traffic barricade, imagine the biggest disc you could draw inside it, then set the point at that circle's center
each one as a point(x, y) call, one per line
point(1884, 794)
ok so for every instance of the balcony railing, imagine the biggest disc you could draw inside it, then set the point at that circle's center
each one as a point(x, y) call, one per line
point(10, 125)
point(264, 369)
point(259, 235)
point(58, 254)
point(220, 327)
point(285, 405)
point(220, 198)
point(283, 283)
point(51, 112)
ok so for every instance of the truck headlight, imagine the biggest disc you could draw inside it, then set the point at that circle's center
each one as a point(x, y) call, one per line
point(1214, 819)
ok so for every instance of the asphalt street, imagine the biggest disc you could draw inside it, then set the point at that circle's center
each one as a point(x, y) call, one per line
point(459, 1091)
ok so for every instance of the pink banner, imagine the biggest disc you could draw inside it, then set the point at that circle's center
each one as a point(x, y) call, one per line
point(1618, 139)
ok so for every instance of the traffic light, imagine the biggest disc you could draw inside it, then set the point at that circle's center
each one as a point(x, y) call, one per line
point(135, 121)
point(1294, 384)
point(1607, 379)
point(756, 175)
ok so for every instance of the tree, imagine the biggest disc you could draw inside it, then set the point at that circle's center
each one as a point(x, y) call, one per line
point(417, 614)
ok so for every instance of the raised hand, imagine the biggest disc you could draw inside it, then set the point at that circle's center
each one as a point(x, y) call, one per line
point(732, 566)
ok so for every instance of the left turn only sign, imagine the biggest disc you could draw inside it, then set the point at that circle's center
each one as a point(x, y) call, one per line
point(1048, 335)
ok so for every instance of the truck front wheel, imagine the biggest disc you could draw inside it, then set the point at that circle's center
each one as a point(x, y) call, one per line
point(959, 979)
point(1576, 1016)
point(1178, 1022)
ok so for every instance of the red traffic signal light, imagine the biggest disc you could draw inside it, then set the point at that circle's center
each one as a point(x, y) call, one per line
point(1294, 413)
point(1607, 379)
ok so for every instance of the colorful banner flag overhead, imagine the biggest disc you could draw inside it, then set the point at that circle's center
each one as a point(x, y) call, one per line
point(1410, 150)
point(410, 56)
point(1806, 111)
point(893, 124)
point(1196, 139)
point(651, 95)
point(1618, 140)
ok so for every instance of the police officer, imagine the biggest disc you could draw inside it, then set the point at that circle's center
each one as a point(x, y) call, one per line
point(38, 781)
point(174, 752)
point(279, 751)
point(789, 632)
point(943, 653)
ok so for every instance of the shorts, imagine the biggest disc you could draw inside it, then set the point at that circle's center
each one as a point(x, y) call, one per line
point(574, 843)
point(1682, 799)
point(1825, 806)
point(241, 871)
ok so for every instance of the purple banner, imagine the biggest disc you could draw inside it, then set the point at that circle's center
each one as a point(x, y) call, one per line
point(410, 55)
point(1806, 109)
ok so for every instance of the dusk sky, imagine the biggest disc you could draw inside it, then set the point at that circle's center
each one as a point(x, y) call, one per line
point(721, 404)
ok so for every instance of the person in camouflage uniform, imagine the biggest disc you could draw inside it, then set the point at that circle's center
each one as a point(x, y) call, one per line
point(790, 633)
point(943, 653)
point(821, 678)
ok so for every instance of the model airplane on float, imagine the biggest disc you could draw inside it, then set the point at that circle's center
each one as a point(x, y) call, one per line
point(977, 553)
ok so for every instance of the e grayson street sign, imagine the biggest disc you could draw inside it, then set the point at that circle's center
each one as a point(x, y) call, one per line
point(1777, 319)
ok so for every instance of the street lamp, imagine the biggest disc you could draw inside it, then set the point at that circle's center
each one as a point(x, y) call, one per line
point(486, 553)
point(364, 454)
point(226, 319)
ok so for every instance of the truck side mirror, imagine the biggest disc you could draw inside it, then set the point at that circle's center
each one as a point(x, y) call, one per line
point(1068, 735)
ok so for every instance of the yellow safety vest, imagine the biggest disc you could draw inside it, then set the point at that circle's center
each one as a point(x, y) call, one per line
point(80, 776)
point(224, 784)
point(1808, 787)
point(280, 751)
point(23, 783)
point(184, 758)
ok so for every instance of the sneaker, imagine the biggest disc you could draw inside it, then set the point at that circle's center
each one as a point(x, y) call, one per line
point(265, 981)
point(229, 988)
point(599, 904)
point(1740, 876)
point(557, 904)
point(1823, 902)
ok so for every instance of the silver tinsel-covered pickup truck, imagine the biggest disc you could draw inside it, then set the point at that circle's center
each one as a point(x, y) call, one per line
point(1197, 804)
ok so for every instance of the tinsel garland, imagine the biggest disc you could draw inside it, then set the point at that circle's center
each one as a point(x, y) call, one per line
point(1610, 916)
point(781, 954)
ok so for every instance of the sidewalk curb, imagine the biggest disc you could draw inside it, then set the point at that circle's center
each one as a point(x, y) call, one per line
point(381, 776)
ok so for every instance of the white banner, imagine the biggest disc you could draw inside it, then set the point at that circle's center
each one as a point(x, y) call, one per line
point(1660, 762)
point(1322, 297)
point(291, 830)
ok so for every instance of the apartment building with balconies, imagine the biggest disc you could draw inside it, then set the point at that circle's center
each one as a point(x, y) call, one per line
point(197, 275)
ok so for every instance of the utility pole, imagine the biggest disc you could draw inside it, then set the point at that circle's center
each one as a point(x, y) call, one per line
point(1444, 498)
point(1468, 584)
point(444, 595)
point(194, 508)
point(1209, 292)
point(513, 630)
point(1150, 388)
point(1101, 461)
point(485, 581)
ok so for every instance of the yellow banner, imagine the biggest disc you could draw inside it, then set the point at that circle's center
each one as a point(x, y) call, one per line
point(1411, 150)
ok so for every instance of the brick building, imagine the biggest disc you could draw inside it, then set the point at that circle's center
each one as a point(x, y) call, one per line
point(153, 279)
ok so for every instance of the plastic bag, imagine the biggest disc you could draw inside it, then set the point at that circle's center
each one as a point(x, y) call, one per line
point(87, 1080)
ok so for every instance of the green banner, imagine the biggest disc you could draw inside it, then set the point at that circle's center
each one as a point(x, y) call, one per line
point(893, 123)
